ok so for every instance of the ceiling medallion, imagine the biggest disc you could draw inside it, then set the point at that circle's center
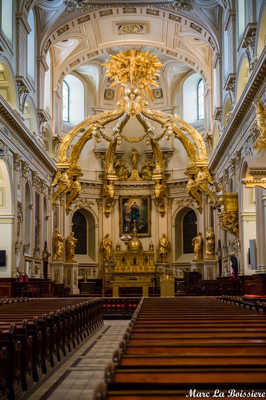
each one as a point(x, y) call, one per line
point(72, 5)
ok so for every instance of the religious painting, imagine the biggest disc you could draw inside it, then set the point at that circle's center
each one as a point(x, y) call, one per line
point(135, 209)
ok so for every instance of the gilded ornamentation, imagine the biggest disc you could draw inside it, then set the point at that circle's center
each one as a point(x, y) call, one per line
point(107, 249)
point(134, 71)
point(227, 204)
point(121, 170)
point(71, 242)
point(260, 143)
point(197, 242)
point(147, 170)
point(63, 182)
point(58, 246)
point(134, 67)
point(134, 173)
point(210, 244)
point(164, 247)
point(75, 190)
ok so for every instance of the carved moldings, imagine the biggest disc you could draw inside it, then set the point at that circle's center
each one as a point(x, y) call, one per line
point(23, 89)
point(248, 42)
point(230, 83)
point(256, 175)
point(135, 28)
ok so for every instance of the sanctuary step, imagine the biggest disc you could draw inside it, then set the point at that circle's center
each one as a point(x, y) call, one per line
point(177, 344)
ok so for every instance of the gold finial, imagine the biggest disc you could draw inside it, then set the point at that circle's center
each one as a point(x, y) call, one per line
point(135, 69)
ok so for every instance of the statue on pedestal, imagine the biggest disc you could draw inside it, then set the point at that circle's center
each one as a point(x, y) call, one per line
point(197, 242)
point(58, 246)
point(71, 242)
point(107, 248)
point(210, 244)
point(163, 248)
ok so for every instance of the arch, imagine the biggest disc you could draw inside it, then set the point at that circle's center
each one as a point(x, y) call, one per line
point(261, 39)
point(29, 114)
point(185, 228)
point(227, 111)
point(6, 219)
point(7, 84)
point(84, 228)
point(73, 99)
point(242, 78)
point(31, 46)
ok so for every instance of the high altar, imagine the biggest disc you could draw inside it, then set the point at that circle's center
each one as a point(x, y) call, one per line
point(134, 267)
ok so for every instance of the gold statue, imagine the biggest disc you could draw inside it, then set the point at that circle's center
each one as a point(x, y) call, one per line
point(197, 242)
point(260, 143)
point(164, 248)
point(210, 244)
point(75, 190)
point(121, 170)
point(202, 180)
point(146, 170)
point(62, 180)
point(193, 192)
point(58, 246)
point(71, 242)
point(107, 248)
point(134, 159)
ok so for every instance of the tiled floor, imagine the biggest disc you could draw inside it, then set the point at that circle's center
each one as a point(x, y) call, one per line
point(78, 376)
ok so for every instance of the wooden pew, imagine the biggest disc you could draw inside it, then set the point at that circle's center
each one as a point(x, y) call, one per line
point(173, 345)
point(31, 336)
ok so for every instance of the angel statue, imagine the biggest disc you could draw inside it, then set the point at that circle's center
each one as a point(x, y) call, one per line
point(163, 248)
point(62, 180)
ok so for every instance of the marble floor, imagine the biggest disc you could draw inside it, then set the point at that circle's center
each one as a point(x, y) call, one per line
point(78, 376)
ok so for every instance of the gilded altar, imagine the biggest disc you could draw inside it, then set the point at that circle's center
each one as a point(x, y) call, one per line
point(134, 267)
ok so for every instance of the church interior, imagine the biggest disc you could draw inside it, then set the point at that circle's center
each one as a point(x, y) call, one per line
point(132, 199)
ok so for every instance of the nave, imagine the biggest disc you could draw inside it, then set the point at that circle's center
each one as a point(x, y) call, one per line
point(171, 348)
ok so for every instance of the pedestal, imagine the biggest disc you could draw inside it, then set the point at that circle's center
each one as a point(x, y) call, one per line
point(167, 286)
point(58, 272)
point(71, 277)
point(197, 266)
point(210, 267)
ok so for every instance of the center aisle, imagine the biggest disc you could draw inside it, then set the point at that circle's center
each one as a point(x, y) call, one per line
point(77, 378)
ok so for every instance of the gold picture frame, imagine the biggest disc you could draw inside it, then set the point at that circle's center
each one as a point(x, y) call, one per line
point(135, 208)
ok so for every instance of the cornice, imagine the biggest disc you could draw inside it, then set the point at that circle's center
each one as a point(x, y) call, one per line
point(14, 121)
point(255, 81)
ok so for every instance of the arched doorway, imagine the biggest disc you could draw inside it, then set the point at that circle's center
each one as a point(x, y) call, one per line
point(6, 222)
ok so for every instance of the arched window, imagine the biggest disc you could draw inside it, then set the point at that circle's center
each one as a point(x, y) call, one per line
point(200, 99)
point(189, 231)
point(241, 17)
point(226, 53)
point(190, 98)
point(66, 95)
point(47, 84)
point(79, 227)
point(7, 19)
point(73, 100)
point(31, 46)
